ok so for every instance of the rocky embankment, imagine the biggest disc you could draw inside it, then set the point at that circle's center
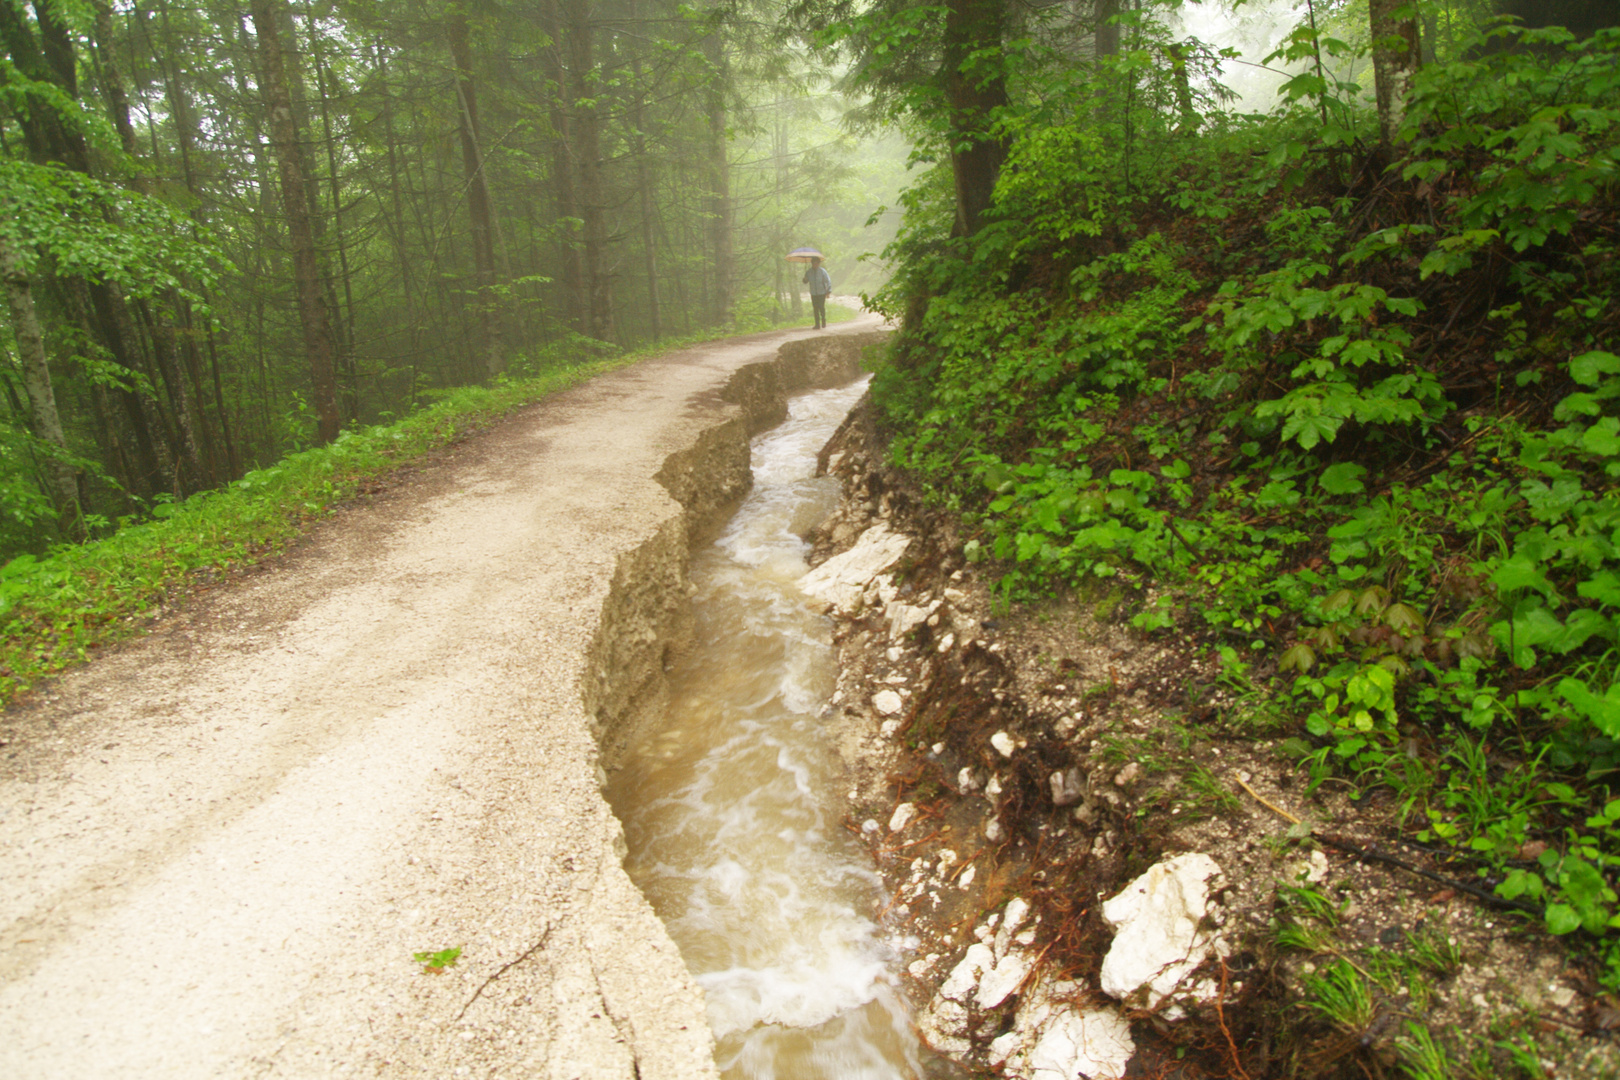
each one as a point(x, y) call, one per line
point(1096, 870)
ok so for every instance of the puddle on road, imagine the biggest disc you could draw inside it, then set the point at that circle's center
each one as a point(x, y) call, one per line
point(729, 806)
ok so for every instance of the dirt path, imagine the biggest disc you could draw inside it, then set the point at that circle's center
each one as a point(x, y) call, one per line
point(223, 842)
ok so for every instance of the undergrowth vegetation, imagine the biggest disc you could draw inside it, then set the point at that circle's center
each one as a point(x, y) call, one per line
point(1349, 417)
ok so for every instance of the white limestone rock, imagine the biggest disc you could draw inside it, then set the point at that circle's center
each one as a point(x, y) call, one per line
point(902, 816)
point(887, 591)
point(904, 618)
point(842, 580)
point(1163, 924)
point(944, 1026)
point(1011, 919)
point(1068, 787)
point(1004, 744)
point(1053, 1040)
point(1002, 981)
point(887, 702)
point(964, 977)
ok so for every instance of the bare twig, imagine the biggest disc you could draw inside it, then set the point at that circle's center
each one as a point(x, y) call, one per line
point(503, 970)
point(1220, 1014)
point(1273, 807)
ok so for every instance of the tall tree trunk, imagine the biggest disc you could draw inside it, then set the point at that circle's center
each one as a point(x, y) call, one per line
point(783, 241)
point(43, 417)
point(159, 332)
point(1105, 39)
point(184, 118)
point(1176, 53)
point(588, 156)
point(644, 185)
point(717, 200)
point(397, 216)
point(295, 201)
point(293, 62)
point(478, 200)
point(1396, 58)
point(562, 168)
point(343, 314)
point(649, 240)
point(975, 86)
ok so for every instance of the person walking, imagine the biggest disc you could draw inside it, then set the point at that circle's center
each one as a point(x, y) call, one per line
point(820, 285)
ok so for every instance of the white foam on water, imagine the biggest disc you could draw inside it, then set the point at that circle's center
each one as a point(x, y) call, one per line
point(725, 812)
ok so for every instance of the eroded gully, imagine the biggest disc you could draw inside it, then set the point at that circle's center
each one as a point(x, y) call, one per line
point(728, 801)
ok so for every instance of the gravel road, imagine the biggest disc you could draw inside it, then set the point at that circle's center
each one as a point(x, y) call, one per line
point(224, 841)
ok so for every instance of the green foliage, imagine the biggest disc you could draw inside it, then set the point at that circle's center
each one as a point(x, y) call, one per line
point(1341, 994)
point(434, 963)
point(1361, 435)
point(93, 229)
point(1422, 1057)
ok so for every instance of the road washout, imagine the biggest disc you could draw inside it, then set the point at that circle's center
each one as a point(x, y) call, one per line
point(226, 840)
point(729, 802)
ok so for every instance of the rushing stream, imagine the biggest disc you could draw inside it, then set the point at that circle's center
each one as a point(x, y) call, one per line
point(728, 807)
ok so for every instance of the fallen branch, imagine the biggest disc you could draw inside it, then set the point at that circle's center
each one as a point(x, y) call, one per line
point(1374, 855)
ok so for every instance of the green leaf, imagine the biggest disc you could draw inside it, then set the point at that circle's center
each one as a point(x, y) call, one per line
point(1300, 658)
point(1602, 438)
point(1518, 883)
point(1581, 625)
point(1343, 478)
point(1404, 619)
point(1589, 368)
point(1522, 572)
point(1603, 586)
point(1277, 494)
point(1603, 712)
point(439, 960)
point(998, 477)
point(1561, 919)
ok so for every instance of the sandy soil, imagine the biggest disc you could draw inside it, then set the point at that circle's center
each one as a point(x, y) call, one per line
point(223, 842)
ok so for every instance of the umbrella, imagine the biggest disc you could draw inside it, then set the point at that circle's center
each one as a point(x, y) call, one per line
point(804, 255)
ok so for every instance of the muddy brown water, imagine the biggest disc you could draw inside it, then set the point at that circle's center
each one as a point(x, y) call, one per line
point(730, 807)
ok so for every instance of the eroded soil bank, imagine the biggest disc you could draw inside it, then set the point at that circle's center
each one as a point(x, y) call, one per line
point(225, 841)
point(1018, 774)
